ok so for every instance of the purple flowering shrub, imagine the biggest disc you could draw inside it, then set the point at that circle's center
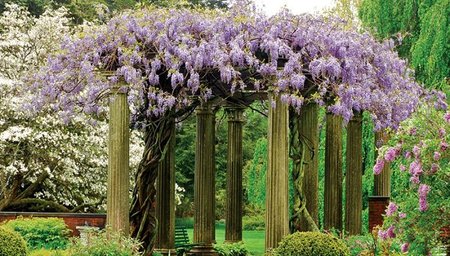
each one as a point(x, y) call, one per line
point(419, 156)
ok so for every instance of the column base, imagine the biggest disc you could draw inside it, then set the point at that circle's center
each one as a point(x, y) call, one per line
point(203, 250)
point(166, 251)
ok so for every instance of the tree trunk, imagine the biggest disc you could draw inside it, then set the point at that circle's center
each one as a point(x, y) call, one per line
point(142, 213)
point(165, 200)
point(304, 153)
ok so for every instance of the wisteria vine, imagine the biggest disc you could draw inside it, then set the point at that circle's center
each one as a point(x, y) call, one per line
point(167, 56)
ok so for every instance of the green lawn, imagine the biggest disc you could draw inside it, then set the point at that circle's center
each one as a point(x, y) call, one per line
point(254, 240)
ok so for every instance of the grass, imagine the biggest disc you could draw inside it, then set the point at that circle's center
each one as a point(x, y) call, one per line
point(254, 239)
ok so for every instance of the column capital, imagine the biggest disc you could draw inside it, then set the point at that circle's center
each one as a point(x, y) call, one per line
point(357, 117)
point(204, 109)
point(235, 113)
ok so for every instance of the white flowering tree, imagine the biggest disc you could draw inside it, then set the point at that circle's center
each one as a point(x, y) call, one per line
point(45, 164)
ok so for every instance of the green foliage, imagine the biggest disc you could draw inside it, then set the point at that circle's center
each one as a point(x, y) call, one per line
point(45, 252)
point(430, 56)
point(231, 249)
point(424, 27)
point(48, 233)
point(311, 244)
point(11, 243)
point(360, 245)
point(256, 175)
point(105, 243)
point(256, 222)
point(185, 222)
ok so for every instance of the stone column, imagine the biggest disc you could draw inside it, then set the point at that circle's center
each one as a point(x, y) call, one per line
point(277, 216)
point(353, 179)
point(333, 173)
point(165, 200)
point(382, 181)
point(309, 131)
point(118, 163)
point(204, 185)
point(233, 231)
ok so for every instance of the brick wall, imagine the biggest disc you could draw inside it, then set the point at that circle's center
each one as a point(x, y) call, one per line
point(377, 207)
point(72, 220)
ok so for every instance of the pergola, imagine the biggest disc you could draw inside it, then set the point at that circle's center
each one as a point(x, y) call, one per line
point(277, 208)
point(162, 64)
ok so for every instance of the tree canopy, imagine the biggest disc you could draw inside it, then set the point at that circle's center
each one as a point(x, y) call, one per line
point(423, 29)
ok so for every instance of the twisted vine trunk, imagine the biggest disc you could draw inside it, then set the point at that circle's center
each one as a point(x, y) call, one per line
point(303, 150)
point(143, 220)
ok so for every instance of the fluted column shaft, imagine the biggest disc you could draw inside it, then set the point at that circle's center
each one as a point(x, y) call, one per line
point(309, 131)
point(353, 179)
point(382, 181)
point(233, 231)
point(277, 218)
point(204, 182)
point(333, 173)
point(118, 164)
point(165, 199)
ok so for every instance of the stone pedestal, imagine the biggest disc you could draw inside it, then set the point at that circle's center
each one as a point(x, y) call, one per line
point(233, 231)
point(165, 200)
point(353, 179)
point(333, 173)
point(118, 164)
point(204, 183)
point(277, 216)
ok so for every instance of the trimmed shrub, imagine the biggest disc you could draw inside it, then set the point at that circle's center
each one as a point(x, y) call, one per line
point(231, 249)
point(311, 244)
point(41, 233)
point(11, 243)
point(105, 243)
point(256, 222)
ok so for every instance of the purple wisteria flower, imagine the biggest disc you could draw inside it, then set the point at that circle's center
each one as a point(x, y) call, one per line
point(405, 247)
point(447, 117)
point(378, 167)
point(391, 154)
point(443, 146)
point(423, 192)
point(434, 168)
point(168, 58)
point(391, 209)
point(436, 156)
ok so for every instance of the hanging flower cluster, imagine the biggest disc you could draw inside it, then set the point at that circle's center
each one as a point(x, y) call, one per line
point(164, 57)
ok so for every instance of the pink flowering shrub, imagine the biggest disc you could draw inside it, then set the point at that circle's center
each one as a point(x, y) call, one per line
point(419, 156)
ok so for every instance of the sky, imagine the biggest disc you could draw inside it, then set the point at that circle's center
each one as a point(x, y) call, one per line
point(296, 6)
